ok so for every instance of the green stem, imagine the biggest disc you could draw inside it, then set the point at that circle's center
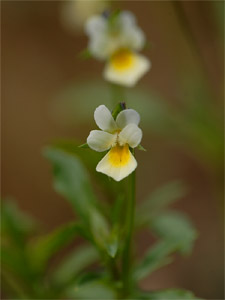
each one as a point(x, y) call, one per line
point(127, 254)
point(118, 93)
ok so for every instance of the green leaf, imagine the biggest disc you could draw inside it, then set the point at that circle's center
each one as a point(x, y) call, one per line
point(160, 198)
point(43, 248)
point(176, 228)
point(13, 286)
point(85, 54)
point(13, 259)
point(140, 147)
point(176, 233)
point(15, 224)
point(72, 181)
point(113, 242)
point(155, 258)
point(84, 146)
point(90, 159)
point(92, 290)
point(99, 228)
point(74, 263)
point(168, 294)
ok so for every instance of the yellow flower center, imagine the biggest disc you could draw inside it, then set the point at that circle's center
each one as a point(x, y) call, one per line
point(122, 60)
point(119, 155)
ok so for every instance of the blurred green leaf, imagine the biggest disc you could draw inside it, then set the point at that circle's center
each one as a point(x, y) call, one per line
point(176, 233)
point(176, 228)
point(155, 258)
point(92, 290)
point(85, 54)
point(99, 228)
point(159, 199)
point(71, 180)
point(69, 110)
point(16, 228)
point(44, 247)
point(169, 294)
point(113, 242)
point(140, 147)
point(13, 286)
point(15, 224)
point(13, 259)
point(90, 159)
point(84, 146)
point(74, 263)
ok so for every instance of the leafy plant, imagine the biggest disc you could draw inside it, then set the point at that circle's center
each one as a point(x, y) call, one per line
point(93, 270)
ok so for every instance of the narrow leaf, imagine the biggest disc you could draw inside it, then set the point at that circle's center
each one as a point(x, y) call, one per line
point(176, 228)
point(84, 146)
point(169, 294)
point(155, 258)
point(140, 147)
point(75, 263)
point(43, 248)
point(72, 181)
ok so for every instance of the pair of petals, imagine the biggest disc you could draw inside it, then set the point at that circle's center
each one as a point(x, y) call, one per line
point(105, 121)
point(101, 141)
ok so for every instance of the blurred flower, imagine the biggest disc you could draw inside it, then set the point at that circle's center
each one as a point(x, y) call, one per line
point(117, 135)
point(75, 13)
point(116, 38)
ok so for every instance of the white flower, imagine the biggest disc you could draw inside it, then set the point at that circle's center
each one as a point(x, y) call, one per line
point(117, 41)
point(116, 136)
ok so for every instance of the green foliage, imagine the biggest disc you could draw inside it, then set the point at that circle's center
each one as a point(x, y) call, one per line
point(27, 272)
point(43, 248)
point(74, 263)
point(175, 228)
point(169, 294)
point(72, 181)
point(15, 223)
point(85, 54)
point(159, 199)
point(92, 290)
point(176, 233)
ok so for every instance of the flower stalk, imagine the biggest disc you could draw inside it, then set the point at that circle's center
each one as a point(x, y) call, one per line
point(127, 253)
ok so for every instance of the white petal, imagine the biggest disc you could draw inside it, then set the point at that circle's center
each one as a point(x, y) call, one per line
point(117, 165)
point(131, 135)
point(127, 18)
point(95, 25)
point(104, 119)
point(133, 36)
point(131, 74)
point(127, 116)
point(100, 140)
point(98, 47)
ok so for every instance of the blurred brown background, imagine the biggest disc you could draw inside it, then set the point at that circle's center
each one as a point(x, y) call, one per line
point(39, 58)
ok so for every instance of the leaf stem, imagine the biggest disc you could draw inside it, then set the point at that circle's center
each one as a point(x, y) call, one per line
point(127, 254)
